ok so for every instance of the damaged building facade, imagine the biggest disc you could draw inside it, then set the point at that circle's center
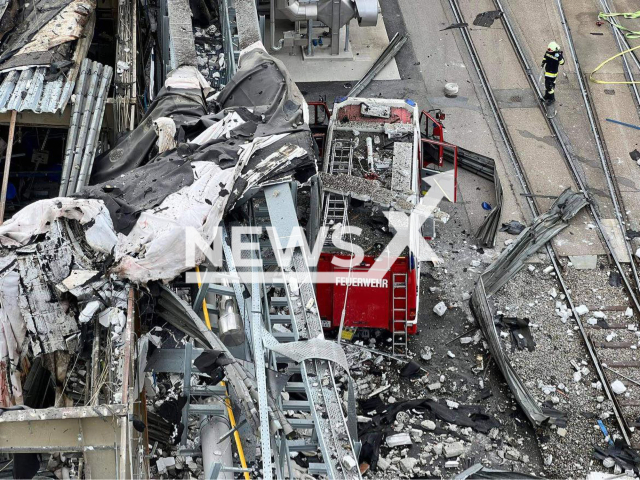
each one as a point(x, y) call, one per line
point(204, 273)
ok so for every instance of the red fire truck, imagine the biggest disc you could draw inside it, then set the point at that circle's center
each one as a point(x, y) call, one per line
point(379, 140)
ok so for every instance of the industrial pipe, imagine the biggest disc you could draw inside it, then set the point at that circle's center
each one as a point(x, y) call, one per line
point(294, 11)
point(211, 429)
point(272, 21)
point(230, 324)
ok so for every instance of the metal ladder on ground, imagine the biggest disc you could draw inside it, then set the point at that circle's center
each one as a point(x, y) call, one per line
point(325, 428)
point(400, 334)
point(336, 205)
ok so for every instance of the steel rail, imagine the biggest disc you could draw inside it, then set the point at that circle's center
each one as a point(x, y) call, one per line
point(612, 184)
point(513, 156)
point(555, 128)
point(623, 45)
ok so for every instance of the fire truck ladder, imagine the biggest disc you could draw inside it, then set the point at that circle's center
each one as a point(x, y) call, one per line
point(400, 299)
point(335, 208)
point(325, 429)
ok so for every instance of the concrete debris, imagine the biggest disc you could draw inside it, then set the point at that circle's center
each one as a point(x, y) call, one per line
point(440, 309)
point(428, 424)
point(582, 310)
point(349, 462)
point(454, 449)
point(618, 387)
point(426, 353)
point(407, 464)
point(398, 440)
point(383, 464)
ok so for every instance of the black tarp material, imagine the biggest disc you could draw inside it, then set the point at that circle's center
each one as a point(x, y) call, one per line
point(410, 369)
point(143, 188)
point(137, 147)
point(486, 19)
point(465, 415)
point(370, 450)
point(263, 84)
point(625, 457)
point(25, 465)
point(521, 337)
point(513, 227)
point(130, 178)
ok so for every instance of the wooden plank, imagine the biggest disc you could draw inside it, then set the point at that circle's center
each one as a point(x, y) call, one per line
point(613, 344)
point(623, 364)
point(7, 166)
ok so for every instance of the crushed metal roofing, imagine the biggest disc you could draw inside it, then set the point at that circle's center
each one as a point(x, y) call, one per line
point(28, 89)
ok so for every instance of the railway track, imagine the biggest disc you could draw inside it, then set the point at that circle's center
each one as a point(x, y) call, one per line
point(623, 44)
point(599, 348)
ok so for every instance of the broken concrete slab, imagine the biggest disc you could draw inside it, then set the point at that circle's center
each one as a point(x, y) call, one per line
point(584, 262)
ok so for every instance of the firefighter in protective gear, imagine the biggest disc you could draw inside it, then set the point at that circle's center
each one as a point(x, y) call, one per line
point(551, 62)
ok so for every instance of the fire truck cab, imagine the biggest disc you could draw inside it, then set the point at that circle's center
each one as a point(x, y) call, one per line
point(373, 162)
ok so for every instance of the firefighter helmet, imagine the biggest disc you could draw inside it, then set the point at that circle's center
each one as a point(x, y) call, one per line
point(554, 47)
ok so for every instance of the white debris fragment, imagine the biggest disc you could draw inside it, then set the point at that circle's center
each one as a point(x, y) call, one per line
point(553, 292)
point(577, 376)
point(582, 310)
point(508, 241)
point(440, 309)
point(348, 462)
point(454, 449)
point(426, 353)
point(398, 439)
point(608, 462)
point(451, 464)
point(452, 405)
point(293, 285)
point(599, 315)
point(408, 463)
point(378, 391)
point(618, 387)
point(531, 268)
point(428, 424)
point(89, 311)
point(466, 340)
point(434, 386)
point(450, 354)
point(383, 464)
point(562, 432)
point(548, 269)
point(628, 312)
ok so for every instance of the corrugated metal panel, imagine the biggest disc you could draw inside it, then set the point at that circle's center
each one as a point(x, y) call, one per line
point(29, 90)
